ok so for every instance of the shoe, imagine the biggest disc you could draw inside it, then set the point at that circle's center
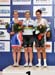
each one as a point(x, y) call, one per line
point(38, 65)
point(30, 64)
point(26, 65)
point(15, 65)
point(45, 65)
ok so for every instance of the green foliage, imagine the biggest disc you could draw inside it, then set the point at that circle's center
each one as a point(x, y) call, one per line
point(41, 28)
point(7, 26)
point(17, 28)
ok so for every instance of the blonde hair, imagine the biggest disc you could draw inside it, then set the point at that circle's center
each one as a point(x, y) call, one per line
point(28, 11)
point(15, 11)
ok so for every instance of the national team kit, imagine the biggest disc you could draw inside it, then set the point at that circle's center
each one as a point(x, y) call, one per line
point(26, 32)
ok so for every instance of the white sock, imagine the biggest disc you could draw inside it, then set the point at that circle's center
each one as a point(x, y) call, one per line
point(30, 63)
point(39, 61)
point(45, 62)
point(17, 63)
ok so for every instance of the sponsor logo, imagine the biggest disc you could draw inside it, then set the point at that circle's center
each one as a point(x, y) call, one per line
point(48, 46)
point(3, 11)
point(4, 0)
point(2, 46)
point(1, 33)
point(21, 0)
point(42, 1)
point(47, 10)
point(44, 10)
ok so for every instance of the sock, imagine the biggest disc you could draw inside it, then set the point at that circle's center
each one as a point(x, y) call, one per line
point(45, 62)
point(15, 63)
point(39, 61)
point(30, 63)
point(26, 62)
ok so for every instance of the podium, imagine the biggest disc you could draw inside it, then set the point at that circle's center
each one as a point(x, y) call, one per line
point(50, 70)
point(0, 72)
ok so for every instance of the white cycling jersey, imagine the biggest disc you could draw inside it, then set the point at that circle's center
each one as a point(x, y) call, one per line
point(28, 30)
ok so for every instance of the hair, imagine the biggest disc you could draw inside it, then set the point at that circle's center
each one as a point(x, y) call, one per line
point(40, 11)
point(28, 11)
point(15, 11)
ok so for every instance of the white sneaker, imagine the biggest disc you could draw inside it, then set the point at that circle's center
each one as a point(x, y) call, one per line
point(30, 64)
point(26, 64)
point(38, 65)
point(45, 65)
point(15, 65)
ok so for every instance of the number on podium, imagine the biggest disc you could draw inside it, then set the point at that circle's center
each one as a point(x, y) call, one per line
point(28, 72)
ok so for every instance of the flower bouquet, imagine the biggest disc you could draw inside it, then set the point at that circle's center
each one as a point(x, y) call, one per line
point(41, 30)
point(17, 27)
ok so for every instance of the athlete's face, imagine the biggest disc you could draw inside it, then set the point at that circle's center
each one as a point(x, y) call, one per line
point(27, 15)
point(15, 15)
point(38, 15)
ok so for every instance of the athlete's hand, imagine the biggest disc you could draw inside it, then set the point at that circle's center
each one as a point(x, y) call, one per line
point(12, 33)
point(42, 34)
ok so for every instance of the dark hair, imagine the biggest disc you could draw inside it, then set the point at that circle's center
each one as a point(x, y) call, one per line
point(40, 11)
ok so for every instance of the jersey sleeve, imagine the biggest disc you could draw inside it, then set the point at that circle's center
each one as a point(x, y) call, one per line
point(10, 27)
point(48, 26)
point(24, 23)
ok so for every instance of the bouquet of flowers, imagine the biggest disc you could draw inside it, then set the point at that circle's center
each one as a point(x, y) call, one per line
point(41, 29)
point(17, 27)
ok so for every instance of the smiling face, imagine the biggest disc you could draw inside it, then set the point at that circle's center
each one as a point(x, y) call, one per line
point(15, 14)
point(27, 15)
point(38, 14)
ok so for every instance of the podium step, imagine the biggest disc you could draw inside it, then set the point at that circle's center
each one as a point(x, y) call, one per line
point(50, 70)
point(0, 72)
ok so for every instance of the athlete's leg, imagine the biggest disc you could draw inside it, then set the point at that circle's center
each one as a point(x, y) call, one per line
point(25, 43)
point(14, 55)
point(44, 56)
point(18, 55)
point(30, 55)
point(38, 52)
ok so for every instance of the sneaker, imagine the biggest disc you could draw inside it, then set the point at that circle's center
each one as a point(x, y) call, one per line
point(15, 65)
point(30, 64)
point(26, 65)
point(45, 65)
point(38, 65)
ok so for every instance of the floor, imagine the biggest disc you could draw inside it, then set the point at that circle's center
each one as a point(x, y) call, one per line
point(0, 73)
point(50, 70)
